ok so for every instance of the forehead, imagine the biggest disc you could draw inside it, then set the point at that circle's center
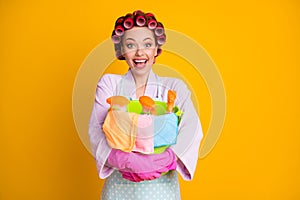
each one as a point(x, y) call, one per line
point(138, 34)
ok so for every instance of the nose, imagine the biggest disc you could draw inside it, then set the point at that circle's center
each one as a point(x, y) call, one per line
point(139, 52)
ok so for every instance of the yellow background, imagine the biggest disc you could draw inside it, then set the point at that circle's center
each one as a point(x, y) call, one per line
point(255, 45)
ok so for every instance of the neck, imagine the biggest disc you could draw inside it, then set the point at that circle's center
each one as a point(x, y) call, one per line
point(140, 80)
point(140, 84)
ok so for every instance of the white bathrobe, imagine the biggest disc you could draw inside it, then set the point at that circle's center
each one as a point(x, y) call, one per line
point(190, 130)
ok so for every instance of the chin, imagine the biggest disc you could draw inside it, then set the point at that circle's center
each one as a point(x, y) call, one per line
point(141, 71)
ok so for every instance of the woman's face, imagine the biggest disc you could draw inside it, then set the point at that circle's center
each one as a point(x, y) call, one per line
point(139, 49)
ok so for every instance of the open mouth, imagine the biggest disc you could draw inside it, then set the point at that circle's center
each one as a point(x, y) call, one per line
point(140, 62)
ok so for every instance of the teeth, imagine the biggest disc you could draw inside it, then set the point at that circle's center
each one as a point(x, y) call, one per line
point(139, 61)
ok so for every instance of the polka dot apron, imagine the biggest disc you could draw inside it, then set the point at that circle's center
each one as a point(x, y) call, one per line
point(164, 188)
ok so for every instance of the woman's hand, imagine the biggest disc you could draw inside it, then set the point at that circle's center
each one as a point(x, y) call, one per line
point(137, 167)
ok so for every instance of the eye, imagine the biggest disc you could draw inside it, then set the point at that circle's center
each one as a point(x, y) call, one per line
point(147, 45)
point(130, 46)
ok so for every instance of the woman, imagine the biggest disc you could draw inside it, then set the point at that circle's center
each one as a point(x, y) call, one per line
point(138, 38)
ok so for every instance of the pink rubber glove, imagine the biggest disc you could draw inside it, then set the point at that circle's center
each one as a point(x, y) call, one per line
point(137, 177)
point(137, 166)
point(141, 163)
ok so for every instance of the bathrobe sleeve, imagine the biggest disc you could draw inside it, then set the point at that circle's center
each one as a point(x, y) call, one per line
point(99, 146)
point(190, 132)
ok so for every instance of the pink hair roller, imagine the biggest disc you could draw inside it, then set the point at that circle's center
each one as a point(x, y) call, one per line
point(149, 15)
point(140, 20)
point(159, 30)
point(119, 30)
point(152, 22)
point(119, 21)
point(116, 39)
point(138, 12)
point(161, 39)
point(128, 22)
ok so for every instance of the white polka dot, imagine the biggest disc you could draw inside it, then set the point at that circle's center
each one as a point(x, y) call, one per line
point(117, 188)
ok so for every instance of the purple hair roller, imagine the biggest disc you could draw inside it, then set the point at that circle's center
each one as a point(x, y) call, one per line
point(128, 22)
point(116, 39)
point(159, 50)
point(159, 30)
point(119, 54)
point(161, 39)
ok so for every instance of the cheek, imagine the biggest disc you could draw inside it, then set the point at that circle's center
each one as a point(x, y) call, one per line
point(151, 53)
point(128, 54)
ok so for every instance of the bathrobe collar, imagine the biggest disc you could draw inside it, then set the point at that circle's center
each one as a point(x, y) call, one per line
point(128, 85)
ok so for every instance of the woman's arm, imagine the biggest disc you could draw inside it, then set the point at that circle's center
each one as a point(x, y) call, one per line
point(100, 148)
point(190, 133)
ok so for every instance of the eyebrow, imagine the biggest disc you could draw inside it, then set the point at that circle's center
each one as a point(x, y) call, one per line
point(130, 39)
point(148, 38)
